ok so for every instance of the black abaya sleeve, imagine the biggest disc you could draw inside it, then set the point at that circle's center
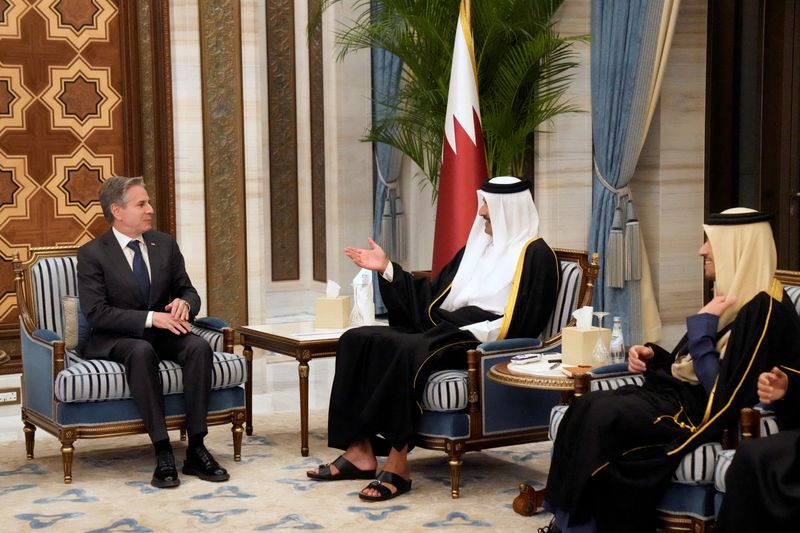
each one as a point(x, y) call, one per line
point(408, 299)
point(533, 293)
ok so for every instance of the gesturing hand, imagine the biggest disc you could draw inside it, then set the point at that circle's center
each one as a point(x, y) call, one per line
point(372, 259)
point(175, 325)
point(638, 356)
point(772, 385)
point(718, 305)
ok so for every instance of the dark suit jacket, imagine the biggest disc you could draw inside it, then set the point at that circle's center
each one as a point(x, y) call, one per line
point(109, 294)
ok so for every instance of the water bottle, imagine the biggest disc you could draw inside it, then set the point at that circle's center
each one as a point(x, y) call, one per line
point(617, 345)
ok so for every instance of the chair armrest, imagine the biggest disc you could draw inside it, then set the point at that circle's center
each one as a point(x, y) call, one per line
point(613, 369)
point(215, 331)
point(521, 345)
point(42, 360)
point(750, 423)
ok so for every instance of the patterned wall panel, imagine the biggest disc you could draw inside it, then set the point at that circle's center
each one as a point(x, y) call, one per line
point(316, 99)
point(282, 112)
point(61, 126)
point(223, 154)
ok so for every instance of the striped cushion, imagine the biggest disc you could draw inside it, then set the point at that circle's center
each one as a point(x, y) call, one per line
point(769, 424)
point(617, 382)
point(794, 293)
point(214, 338)
point(556, 415)
point(52, 278)
point(446, 390)
point(565, 302)
point(697, 468)
point(98, 379)
point(721, 469)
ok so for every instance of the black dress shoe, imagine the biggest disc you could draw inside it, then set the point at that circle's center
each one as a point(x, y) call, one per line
point(199, 462)
point(165, 475)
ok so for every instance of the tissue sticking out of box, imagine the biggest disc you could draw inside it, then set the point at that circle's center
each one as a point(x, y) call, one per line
point(363, 313)
point(332, 289)
point(583, 317)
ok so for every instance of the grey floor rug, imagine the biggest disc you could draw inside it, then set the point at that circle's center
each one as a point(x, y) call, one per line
point(268, 489)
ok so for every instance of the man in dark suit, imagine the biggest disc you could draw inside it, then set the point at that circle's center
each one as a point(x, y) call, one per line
point(139, 301)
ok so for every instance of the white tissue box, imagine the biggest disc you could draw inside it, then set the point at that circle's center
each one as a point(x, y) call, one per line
point(332, 312)
point(577, 344)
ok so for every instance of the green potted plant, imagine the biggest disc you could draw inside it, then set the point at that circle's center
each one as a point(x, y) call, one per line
point(524, 69)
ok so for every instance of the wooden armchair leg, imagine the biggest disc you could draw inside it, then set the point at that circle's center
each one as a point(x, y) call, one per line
point(30, 434)
point(238, 433)
point(455, 474)
point(66, 456)
point(529, 501)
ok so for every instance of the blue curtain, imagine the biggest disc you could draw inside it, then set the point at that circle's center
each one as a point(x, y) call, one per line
point(624, 40)
point(386, 72)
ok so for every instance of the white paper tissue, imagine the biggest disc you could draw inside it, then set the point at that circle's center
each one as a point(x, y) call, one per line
point(363, 313)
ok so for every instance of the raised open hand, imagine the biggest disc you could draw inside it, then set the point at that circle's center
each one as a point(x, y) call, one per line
point(372, 259)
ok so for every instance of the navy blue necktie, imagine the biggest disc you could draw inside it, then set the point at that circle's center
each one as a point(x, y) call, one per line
point(140, 270)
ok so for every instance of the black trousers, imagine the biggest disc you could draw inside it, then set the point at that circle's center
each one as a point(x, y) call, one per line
point(140, 357)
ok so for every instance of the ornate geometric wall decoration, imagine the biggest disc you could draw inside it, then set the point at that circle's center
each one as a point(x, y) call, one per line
point(77, 21)
point(80, 98)
point(14, 98)
point(64, 125)
point(11, 12)
point(75, 182)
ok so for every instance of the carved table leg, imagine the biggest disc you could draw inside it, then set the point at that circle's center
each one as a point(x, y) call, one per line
point(529, 501)
point(248, 389)
point(303, 373)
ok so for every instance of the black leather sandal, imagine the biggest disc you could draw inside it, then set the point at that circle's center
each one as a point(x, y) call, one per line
point(347, 470)
point(401, 484)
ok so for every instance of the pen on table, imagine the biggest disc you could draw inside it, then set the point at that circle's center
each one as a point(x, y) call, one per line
point(554, 365)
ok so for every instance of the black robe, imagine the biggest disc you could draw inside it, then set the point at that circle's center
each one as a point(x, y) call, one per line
point(381, 371)
point(763, 481)
point(616, 450)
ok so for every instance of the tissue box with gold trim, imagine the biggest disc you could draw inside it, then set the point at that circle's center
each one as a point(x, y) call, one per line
point(577, 344)
point(332, 312)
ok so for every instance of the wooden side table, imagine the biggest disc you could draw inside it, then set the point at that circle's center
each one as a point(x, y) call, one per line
point(299, 340)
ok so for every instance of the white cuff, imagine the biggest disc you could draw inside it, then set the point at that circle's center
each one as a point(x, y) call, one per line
point(388, 274)
point(148, 323)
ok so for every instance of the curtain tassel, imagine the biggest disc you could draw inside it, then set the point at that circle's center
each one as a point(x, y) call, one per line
point(633, 248)
point(615, 252)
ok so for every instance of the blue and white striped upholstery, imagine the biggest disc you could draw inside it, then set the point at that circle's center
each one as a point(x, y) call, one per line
point(769, 424)
point(96, 380)
point(556, 415)
point(82, 380)
point(721, 469)
point(793, 291)
point(613, 383)
point(52, 278)
point(214, 338)
point(571, 276)
point(446, 390)
point(697, 468)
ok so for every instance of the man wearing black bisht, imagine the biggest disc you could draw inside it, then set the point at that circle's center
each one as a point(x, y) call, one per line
point(763, 481)
point(502, 284)
point(616, 450)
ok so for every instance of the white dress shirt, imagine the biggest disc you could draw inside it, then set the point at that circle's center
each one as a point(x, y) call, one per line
point(123, 241)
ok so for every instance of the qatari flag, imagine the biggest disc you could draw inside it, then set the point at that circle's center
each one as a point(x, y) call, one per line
point(463, 158)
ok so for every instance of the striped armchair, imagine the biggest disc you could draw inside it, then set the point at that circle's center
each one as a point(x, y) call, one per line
point(74, 398)
point(462, 414)
point(692, 500)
